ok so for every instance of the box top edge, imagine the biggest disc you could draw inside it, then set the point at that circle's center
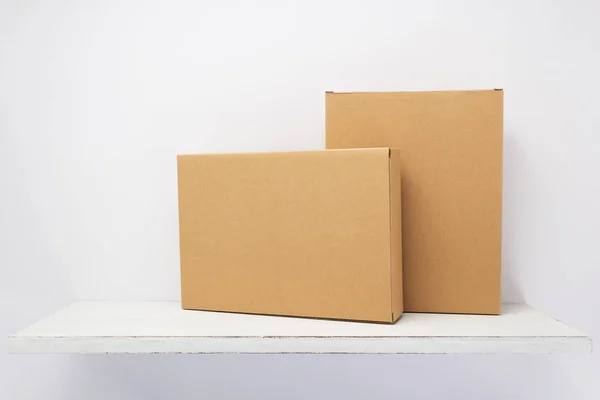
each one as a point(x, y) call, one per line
point(414, 91)
point(387, 150)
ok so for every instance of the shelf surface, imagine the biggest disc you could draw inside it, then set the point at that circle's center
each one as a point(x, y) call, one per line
point(163, 327)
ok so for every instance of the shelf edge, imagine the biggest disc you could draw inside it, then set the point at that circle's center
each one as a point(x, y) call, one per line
point(300, 345)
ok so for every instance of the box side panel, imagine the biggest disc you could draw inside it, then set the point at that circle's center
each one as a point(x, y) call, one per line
point(451, 157)
point(396, 234)
point(301, 233)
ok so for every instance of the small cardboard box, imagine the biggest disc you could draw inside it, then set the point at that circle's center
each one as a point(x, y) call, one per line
point(310, 233)
point(450, 146)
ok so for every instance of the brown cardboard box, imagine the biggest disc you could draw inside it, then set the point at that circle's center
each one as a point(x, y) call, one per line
point(311, 233)
point(450, 146)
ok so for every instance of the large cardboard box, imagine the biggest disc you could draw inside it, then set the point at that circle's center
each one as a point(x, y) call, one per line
point(450, 146)
point(311, 233)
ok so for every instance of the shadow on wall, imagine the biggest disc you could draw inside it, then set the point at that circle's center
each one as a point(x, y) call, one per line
point(514, 180)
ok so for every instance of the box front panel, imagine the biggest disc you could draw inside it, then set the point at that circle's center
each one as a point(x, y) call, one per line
point(303, 233)
point(451, 156)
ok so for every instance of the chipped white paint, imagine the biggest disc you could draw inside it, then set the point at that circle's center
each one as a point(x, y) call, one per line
point(162, 327)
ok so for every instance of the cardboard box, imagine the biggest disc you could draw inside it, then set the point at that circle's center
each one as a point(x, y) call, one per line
point(310, 234)
point(450, 146)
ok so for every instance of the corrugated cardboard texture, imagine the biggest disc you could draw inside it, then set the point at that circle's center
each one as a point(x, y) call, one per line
point(299, 233)
point(450, 146)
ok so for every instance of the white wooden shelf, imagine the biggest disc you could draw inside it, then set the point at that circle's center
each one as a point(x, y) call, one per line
point(163, 327)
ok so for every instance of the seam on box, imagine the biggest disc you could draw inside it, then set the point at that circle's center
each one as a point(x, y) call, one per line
point(390, 265)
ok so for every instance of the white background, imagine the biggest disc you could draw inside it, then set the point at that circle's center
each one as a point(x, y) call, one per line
point(98, 97)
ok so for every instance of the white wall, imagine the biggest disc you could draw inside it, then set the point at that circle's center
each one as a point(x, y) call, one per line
point(97, 98)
